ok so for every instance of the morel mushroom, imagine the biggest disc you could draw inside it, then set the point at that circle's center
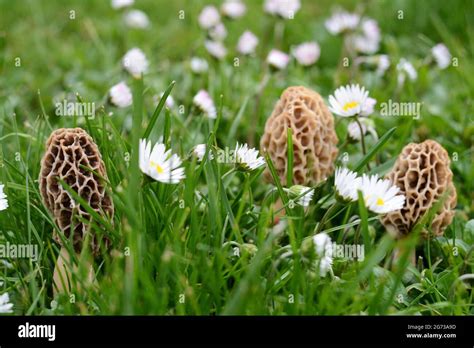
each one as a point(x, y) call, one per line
point(423, 175)
point(72, 156)
point(313, 135)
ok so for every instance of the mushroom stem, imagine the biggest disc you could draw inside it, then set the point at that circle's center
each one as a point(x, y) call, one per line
point(67, 275)
point(278, 211)
point(398, 254)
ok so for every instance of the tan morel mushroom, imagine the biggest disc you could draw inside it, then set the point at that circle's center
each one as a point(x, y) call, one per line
point(72, 156)
point(314, 137)
point(423, 175)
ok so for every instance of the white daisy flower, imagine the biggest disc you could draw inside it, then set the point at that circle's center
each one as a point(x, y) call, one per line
point(271, 6)
point(368, 106)
point(117, 4)
point(5, 305)
point(307, 53)
point(198, 65)
point(209, 17)
point(205, 103)
point(369, 41)
point(218, 32)
point(347, 183)
point(135, 62)
point(215, 49)
point(365, 45)
point(120, 95)
point(278, 59)
point(342, 21)
point(247, 43)
point(248, 158)
point(325, 264)
point(353, 129)
point(383, 63)
point(160, 164)
point(304, 194)
point(371, 29)
point(233, 9)
point(3, 198)
point(136, 19)
point(324, 250)
point(200, 151)
point(348, 100)
point(441, 55)
point(405, 68)
point(380, 196)
point(288, 8)
point(282, 8)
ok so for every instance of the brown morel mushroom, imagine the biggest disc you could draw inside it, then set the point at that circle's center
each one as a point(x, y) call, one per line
point(423, 175)
point(72, 156)
point(313, 135)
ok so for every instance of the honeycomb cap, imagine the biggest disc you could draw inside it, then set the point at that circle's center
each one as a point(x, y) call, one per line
point(66, 150)
point(314, 137)
point(423, 175)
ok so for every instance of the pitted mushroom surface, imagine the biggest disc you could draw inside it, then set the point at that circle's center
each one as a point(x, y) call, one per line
point(423, 175)
point(69, 151)
point(314, 137)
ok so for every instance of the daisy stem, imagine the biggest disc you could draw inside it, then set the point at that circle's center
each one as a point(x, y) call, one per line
point(341, 64)
point(233, 170)
point(325, 217)
point(352, 57)
point(362, 140)
point(279, 32)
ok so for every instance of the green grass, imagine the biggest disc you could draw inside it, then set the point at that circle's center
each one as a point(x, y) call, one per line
point(173, 247)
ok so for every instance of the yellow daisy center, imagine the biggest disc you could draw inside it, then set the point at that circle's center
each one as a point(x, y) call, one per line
point(380, 201)
point(158, 168)
point(350, 105)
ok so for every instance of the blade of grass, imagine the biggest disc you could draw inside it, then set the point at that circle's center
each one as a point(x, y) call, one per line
point(364, 222)
point(158, 109)
point(219, 117)
point(237, 119)
point(373, 150)
point(284, 199)
point(167, 128)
